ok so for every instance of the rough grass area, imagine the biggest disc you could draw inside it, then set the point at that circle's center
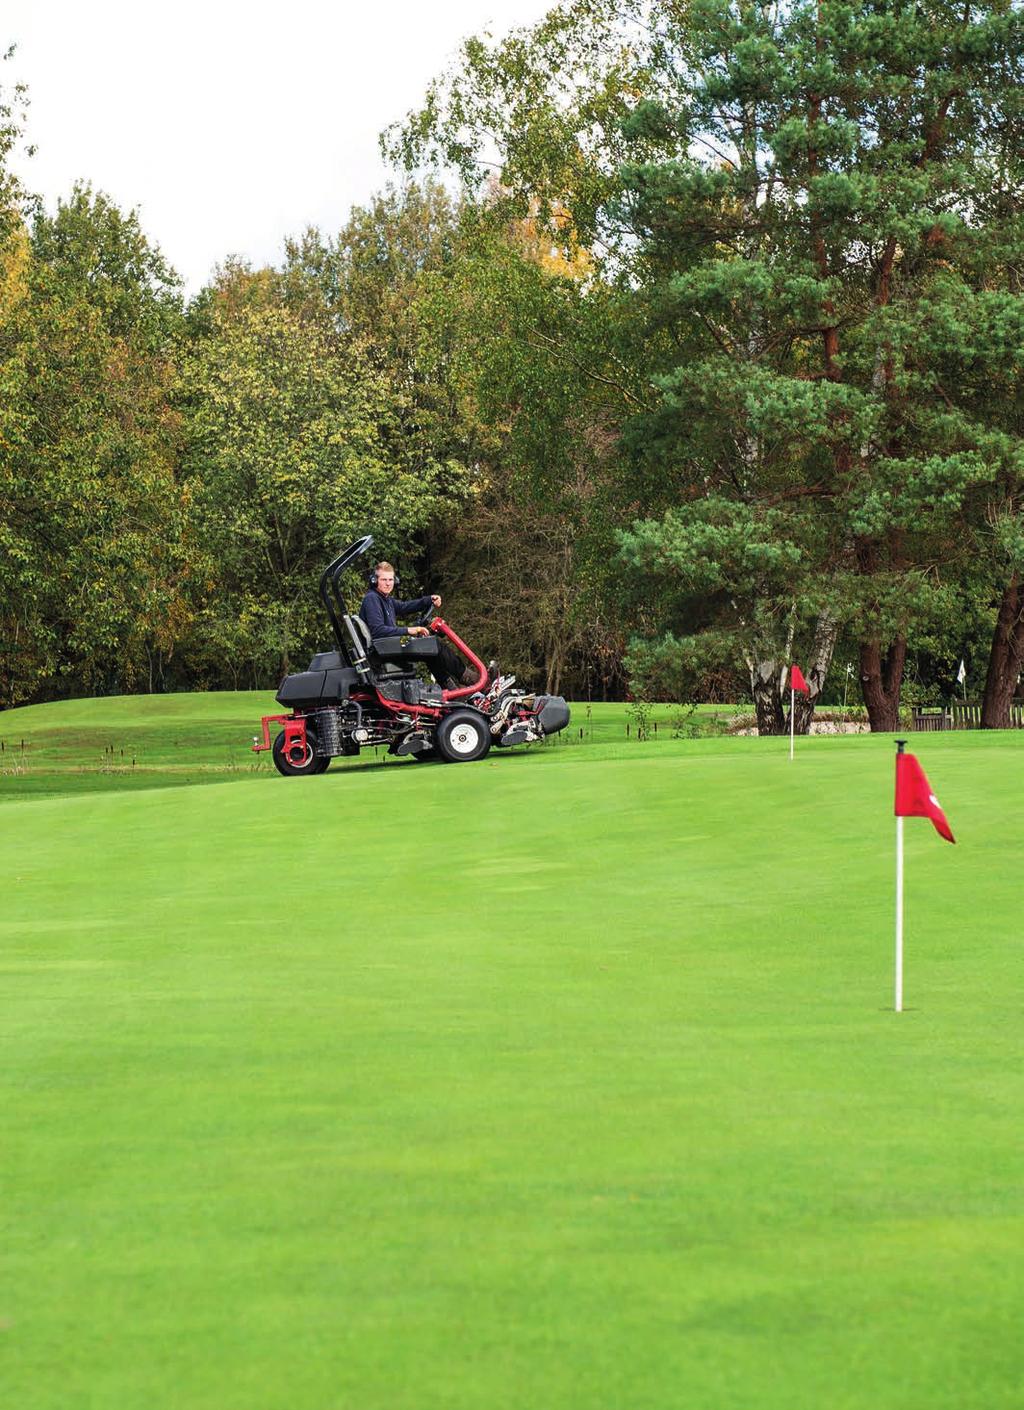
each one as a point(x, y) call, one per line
point(160, 741)
point(565, 1079)
point(130, 742)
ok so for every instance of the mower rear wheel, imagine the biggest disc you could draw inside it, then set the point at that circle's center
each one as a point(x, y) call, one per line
point(310, 765)
point(462, 737)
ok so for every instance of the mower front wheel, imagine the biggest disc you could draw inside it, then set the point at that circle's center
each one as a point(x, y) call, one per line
point(311, 764)
point(462, 737)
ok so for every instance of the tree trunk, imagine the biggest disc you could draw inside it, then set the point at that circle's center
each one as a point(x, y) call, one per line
point(826, 632)
point(766, 688)
point(880, 680)
point(554, 671)
point(1004, 662)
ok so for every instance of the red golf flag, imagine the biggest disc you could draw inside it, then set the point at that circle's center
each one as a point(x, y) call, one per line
point(914, 796)
point(796, 680)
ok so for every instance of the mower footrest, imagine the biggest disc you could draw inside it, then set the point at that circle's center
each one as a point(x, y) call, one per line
point(518, 734)
point(412, 744)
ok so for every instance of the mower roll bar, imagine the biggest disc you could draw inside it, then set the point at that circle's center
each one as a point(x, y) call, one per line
point(330, 592)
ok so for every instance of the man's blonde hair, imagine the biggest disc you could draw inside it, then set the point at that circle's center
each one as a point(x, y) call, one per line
point(384, 568)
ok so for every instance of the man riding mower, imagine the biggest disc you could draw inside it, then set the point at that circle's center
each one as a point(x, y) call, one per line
point(368, 692)
point(380, 610)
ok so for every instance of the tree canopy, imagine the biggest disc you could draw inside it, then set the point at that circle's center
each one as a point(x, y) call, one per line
point(713, 361)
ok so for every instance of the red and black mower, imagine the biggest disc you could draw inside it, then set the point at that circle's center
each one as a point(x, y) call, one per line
point(369, 693)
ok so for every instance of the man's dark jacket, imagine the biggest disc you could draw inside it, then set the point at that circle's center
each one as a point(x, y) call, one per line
point(379, 612)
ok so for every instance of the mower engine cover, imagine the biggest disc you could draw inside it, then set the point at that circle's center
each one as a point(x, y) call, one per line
point(307, 689)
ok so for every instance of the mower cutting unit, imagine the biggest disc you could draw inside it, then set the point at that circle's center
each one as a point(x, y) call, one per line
point(369, 693)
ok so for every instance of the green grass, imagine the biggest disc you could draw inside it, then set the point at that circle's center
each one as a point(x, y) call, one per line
point(132, 742)
point(566, 1079)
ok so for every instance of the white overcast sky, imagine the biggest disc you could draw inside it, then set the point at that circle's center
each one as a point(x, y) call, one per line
point(229, 125)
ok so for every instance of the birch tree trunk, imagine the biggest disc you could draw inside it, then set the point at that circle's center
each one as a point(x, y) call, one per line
point(766, 689)
point(826, 633)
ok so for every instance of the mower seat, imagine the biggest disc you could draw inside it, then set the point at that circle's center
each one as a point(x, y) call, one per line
point(391, 656)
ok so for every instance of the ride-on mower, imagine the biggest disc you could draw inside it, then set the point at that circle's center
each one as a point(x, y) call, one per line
point(369, 693)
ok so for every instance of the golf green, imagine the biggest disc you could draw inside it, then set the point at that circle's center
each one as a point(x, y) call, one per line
point(565, 1079)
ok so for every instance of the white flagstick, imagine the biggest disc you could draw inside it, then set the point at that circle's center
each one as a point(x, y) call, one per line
point(792, 712)
point(900, 745)
point(899, 915)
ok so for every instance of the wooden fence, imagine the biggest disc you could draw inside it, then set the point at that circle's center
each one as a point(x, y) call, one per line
point(962, 714)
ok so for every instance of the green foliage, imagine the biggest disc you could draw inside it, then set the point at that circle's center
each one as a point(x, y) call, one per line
point(816, 207)
point(533, 352)
point(14, 199)
point(99, 255)
point(294, 447)
point(726, 356)
point(553, 101)
point(828, 179)
point(93, 524)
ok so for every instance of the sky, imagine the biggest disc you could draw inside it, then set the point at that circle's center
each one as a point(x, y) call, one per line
point(229, 125)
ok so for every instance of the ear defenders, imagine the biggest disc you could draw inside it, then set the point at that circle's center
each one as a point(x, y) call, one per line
point(373, 579)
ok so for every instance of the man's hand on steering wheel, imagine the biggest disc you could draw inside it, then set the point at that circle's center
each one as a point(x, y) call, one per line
point(425, 618)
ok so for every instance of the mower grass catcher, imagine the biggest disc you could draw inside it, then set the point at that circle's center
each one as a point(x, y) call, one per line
point(369, 693)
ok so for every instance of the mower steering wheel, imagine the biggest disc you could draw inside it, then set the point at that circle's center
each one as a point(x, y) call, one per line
point(425, 618)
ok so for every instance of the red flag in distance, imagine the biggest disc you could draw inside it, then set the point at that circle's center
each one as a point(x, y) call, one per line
point(796, 680)
point(914, 796)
